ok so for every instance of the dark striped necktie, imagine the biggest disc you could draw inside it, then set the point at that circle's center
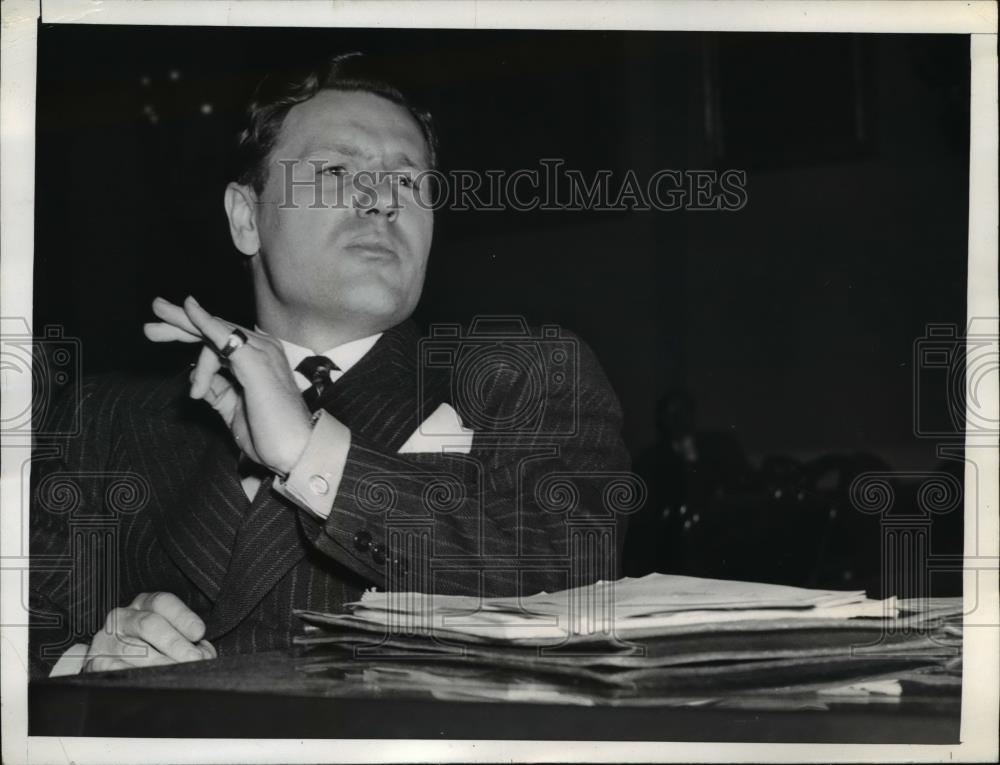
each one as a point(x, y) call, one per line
point(317, 370)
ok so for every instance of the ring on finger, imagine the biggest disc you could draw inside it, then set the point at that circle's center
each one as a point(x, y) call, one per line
point(236, 340)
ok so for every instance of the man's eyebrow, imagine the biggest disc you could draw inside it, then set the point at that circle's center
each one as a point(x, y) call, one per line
point(341, 148)
point(401, 158)
point(407, 161)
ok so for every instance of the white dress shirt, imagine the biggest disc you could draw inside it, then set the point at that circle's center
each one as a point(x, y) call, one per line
point(344, 356)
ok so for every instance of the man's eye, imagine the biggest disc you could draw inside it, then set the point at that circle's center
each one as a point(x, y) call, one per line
point(338, 171)
point(405, 180)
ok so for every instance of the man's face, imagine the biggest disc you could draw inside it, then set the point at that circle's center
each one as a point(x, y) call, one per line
point(357, 257)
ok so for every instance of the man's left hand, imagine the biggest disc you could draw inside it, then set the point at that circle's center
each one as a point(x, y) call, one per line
point(260, 402)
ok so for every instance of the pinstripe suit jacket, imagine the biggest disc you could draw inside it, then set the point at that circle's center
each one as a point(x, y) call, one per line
point(147, 497)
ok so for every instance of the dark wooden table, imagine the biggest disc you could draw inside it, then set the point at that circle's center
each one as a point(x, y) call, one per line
point(267, 695)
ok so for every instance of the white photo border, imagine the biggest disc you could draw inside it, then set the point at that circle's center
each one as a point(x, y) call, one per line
point(981, 675)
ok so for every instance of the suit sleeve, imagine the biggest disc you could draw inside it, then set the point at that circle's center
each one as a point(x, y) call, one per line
point(540, 509)
point(66, 542)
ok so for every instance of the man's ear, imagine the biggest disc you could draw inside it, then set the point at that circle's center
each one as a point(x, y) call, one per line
point(241, 209)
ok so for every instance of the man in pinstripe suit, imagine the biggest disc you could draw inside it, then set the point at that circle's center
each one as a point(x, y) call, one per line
point(334, 459)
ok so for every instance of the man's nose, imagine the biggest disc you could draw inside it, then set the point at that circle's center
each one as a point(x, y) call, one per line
point(378, 197)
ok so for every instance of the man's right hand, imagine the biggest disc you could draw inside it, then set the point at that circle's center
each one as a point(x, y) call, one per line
point(156, 628)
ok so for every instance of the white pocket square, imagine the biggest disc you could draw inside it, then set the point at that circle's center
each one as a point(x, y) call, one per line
point(441, 433)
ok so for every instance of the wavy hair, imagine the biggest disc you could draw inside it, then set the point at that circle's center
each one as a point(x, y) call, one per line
point(277, 94)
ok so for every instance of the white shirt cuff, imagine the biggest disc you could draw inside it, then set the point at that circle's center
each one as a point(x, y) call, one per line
point(71, 662)
point(314, 480)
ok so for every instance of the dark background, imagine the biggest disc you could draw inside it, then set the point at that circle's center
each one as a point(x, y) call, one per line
point(791, 322)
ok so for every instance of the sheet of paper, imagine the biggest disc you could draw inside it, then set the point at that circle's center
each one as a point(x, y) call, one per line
point(651, 594)
point(505, 625)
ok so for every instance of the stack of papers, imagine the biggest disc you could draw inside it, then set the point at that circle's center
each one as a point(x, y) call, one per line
point(635, 640)
point(627, 607)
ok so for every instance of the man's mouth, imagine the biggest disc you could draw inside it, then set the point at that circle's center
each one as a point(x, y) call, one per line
point(378, 248)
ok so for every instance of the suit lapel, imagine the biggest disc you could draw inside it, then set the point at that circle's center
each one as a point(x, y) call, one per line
point(384, 397)
point(266, 546)
point(377, 399)
point(199, 496)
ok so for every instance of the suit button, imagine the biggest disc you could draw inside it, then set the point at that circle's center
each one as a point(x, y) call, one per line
point(378, 554)
point(399, 567)
point(362, 541)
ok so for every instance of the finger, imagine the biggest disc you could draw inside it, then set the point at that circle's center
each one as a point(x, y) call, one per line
point(222, 397)
point(219, 387)
point(204, 371)
point(152, 658)
point(226, 397)
point(162, 332)
point(161, 634)
point(208, 649)
point(174, 610)
point(104, 664)
point(216, 330)
point(174, 314)
point(138, 653)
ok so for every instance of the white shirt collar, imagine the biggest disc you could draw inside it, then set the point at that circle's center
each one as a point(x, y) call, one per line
point(344, 356)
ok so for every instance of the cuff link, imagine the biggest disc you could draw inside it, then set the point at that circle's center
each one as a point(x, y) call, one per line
point(319, 485)
point(362, 541)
